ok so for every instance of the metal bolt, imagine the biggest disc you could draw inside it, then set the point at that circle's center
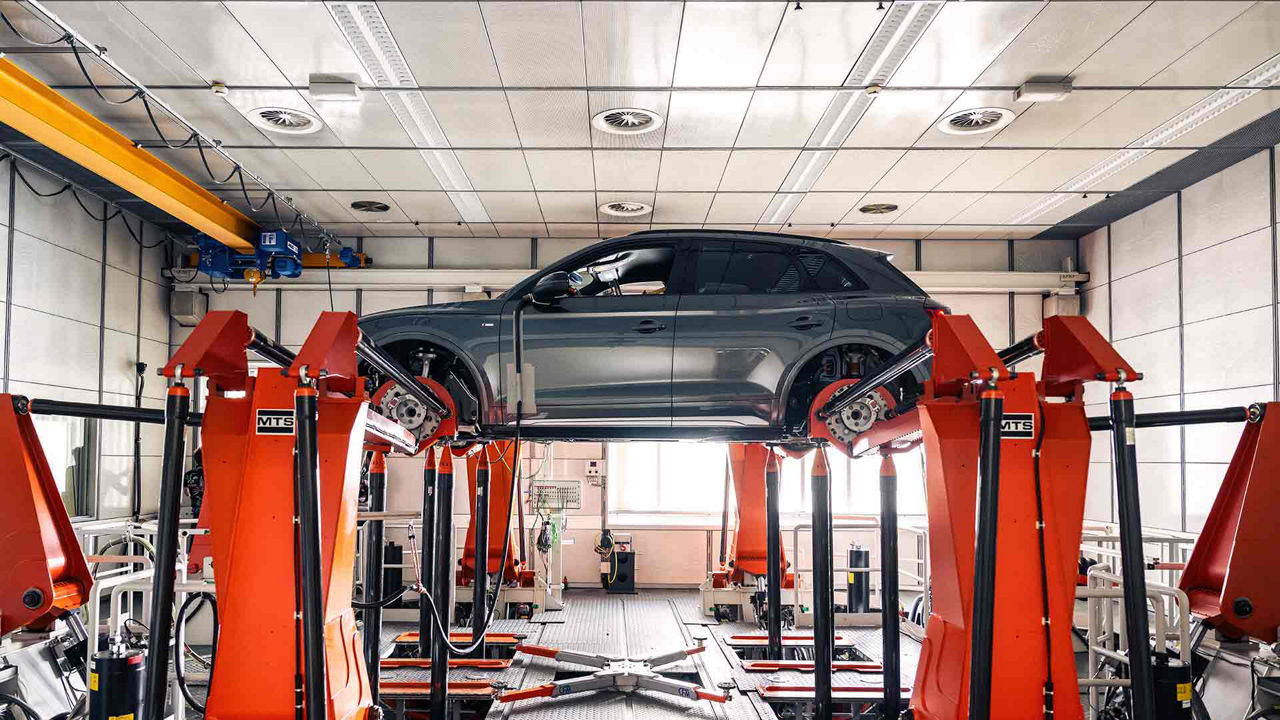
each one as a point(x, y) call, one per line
point(1242, 607)
point(33, 598)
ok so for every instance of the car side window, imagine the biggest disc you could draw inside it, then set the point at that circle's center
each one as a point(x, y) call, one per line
point(631, 271)
point(747, 269)
point(828, 274)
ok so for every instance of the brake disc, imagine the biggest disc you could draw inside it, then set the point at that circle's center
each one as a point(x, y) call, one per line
point(856, 419)
point(410, 412)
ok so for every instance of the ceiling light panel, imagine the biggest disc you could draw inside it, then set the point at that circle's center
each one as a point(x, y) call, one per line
point(537, 43)
point(444, 43)
point(1061, 37)
point(701, 118)
point(1132, 117)
point(655, 101)
point(724, 44)
point(782, 118)
point(561, 169)
point(857, 169)
point(922, 169)
point(631, 43)
point(1232, 118)
point(1141, 169)
point(687, 207)
point(899, 29)
point(1249, 39)
point(222, 50)
point(757, 169)
point(897, 119)
point(551, 118)
point(495, 169)
point(781, 207)
point(324, 51)
point(738, 207)
point(627, 169)
point(397, 169)
point(818, 44)
point(333, 168)
point(692, 170)
point(1157, 37)
point(806, 170)
point(962, 41)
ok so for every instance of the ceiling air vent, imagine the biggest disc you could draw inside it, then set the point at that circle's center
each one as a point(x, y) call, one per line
point(878, 209)
point(626, 208)
point(370, 206)
point(285, 120)
point(976, 121)
point(627, 121)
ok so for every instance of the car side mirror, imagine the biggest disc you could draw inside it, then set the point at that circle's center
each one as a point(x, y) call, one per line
point(551, 287)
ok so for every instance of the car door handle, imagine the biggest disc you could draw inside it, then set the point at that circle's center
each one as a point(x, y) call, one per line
point(805, 322)
point(648, 326)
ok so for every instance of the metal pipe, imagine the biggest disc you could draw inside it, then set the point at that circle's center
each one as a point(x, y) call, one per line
point(480, 576)
point(442, 586)
point(425, 627)
point(373, 550)
point(177, 405)
point(890, 641)
point(724, 512)
point(306, 488)
point(1024, 349)
point(1131, 561)
point(270, 350)
point(388, 366)
point(125, 413)
point(991, 409)
point(1253, 413)
point(773, 557)
point(900, 364)
point(824, 636)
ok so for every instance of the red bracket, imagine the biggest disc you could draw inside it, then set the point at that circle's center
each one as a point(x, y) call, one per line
point(216, 349)
point(330, 352)
point(961, 355)
point(1075, 353)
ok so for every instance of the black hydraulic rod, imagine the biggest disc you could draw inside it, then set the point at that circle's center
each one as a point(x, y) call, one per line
point(442, 587)
point(824, 634)
point(1132, 564)
point(480, 578)
point(724, 512)
point(306, 488)
point(373, 561)
point(125, 413)
point(773, 558)
point(388, 366)
point(1024, 349)
point(271, 350)
point(890, 638)
point(898, 365)
point(1183, 417)
point(991, 413)
point(425, 627)
point(177, 405)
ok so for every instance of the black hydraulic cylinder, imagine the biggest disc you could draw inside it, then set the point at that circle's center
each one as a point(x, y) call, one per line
point(898, 365)
point(480, 579)
point(824, 634)
point(991, 409)
point(124, 413)
point(858, 588)
point(1132, 565)
point(442, 587)
point(773, 575)
point(271, 350)
point(890, 639)
point(1024, 349)
point(307, 499)
point(177, 405)
point(388, 366)
point(373, 561)
point(427, 565)
point(1178, 417)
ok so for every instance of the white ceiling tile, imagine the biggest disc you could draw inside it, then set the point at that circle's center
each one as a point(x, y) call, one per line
point(613, 230)
point(427, 207)
point(369, 122)
point(333, 168)
point(922, 169)
point(1140, 170)
point(271, 164)
point(685, 207)
point(445, 43)
point(757, 169)
point(480, 230)
point(321, 206)
point(474, 118)
point(725, 44)
point(856, 169)
point(219, 120)
point(1132, 117)
point(618, 196)
point(1053, 168)
point(221, 50)
point(818, 44)
point(782, 118)
point(627, 169)
point(394, 214)
point(511, 206)
point(856, 232)
point(808, 230)
point(906, 232)
point(692, 169)
point(904, 201)
point(129, 41)
point(706, 118)
point(996, 208)
point(1059, 39)
point(985, 170)
point(959, 232)
point(970, 100)
point(529, 230)
point(738, 207)
point(1072, 204)
point(1023, 232)
point(826, 207)
point(573, 230)
point(962, 41)
point(247, 100)
point(537, 43)
point(1232, 119)
point(936, 208)
point(1157, 37)
point(724, 227)
point(656, 101)
point(551, 118)
point(398, 169)
point(495, 169)
point(561, 169)
point(390, 229)
point(324, 50)
point(1241, 45)
point(1046, 124)
point(897, 118)
point(568, 207)
point(631, 43)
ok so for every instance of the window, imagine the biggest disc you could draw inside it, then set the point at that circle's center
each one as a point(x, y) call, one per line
point(746, 269)
point(633, 271)
point(828, 274)
point(69, 448)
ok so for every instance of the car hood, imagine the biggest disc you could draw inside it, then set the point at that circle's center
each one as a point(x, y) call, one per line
point(470, 307)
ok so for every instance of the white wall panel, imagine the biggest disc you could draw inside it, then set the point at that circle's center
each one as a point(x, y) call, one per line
point(989, 312)
point(119, 356)
point(1160, 490)
point(1097, 498)
point(57, 219)
point(1158, 445)
point(1227, 205)
point(399, 252)
point(155, 311)
point(1156, 357)
point(122, 301)
point(1042, 255)
point(1145, 302)
point(1216, 443)
point(1095, 257)
point(299, 310)
point(1145, 239)
point(1203, 482)
point(965, 255)
point(376, 301)
point(1095, 305)
point(261, 308)
point(1229, 352)
point(488, 253)
point(76, 292)
point(54, 350)
point(1228, 277)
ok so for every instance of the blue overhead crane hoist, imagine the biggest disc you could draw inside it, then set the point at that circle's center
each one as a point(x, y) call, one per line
point(278, 255)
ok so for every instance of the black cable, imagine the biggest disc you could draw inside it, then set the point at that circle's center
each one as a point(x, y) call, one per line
point(137, 237)
point(180, 625)
point(66, 37)
point(75, 50)
point(194, 136)
point(384, 602)
point(65, 187)
point(89, 212)
point(14, 700)
point(205, 161)
point(1044, 573)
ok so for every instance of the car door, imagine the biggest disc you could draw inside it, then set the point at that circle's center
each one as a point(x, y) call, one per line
point(748, 312)
point(603, 355)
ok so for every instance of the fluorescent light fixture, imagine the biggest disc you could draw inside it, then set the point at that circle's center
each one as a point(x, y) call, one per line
point(1033, 92)
point(1243, 88)
point(780, 208)
point(806, 169)
point(367, 32)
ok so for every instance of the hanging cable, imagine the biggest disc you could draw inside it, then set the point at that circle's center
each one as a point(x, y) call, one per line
point(205, 161)
point(66, 37)
point(89, 212)
point(75, 50)
point(1044, 573)
point(65, 185)
point(194, 136)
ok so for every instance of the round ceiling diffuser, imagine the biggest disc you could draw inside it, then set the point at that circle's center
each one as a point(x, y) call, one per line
point(626, 208)
point(627, 121)
point(878, 209)
point(285, 120)
point(370, 206)
point(976, 121)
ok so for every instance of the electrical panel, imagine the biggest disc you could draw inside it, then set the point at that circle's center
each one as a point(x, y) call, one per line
point(556, 494)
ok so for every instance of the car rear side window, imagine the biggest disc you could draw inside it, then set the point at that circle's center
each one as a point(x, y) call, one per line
point(746, 269)
point(828, 274)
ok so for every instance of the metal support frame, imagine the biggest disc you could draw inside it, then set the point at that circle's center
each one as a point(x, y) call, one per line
point(480, 581)
point(177, 405)
point(823, 592)
point(373, 558)
point(427, 565)
point(773, 574)
point(306, 483)
point(891, 640)
point(442, 586)
point(991, 409)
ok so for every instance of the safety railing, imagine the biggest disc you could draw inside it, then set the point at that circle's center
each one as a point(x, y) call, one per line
point(1171, 549)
